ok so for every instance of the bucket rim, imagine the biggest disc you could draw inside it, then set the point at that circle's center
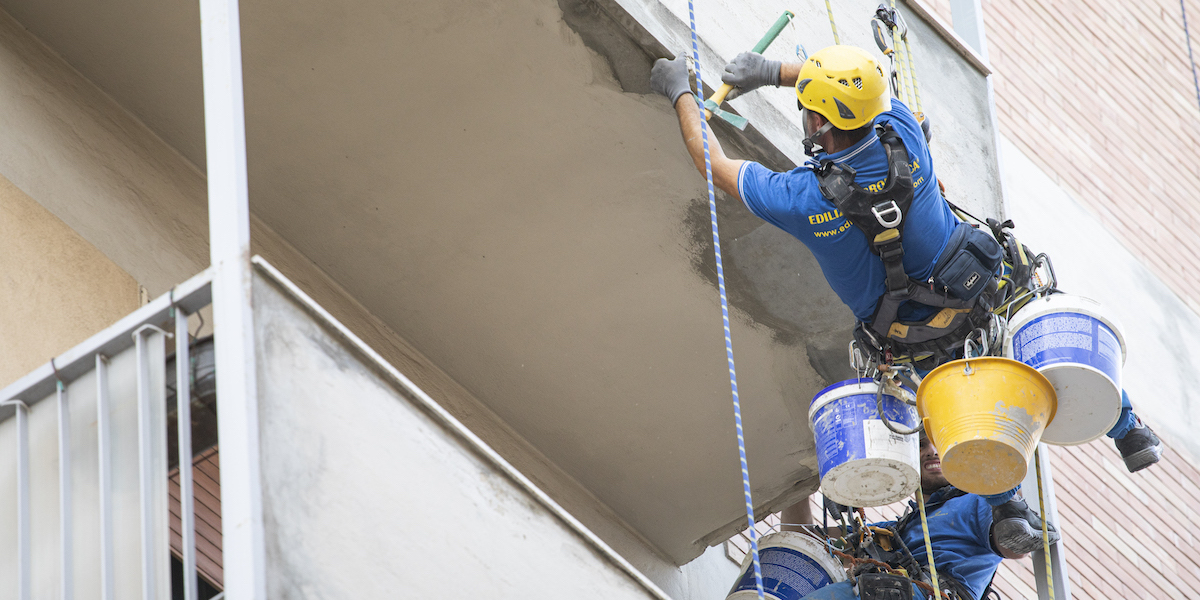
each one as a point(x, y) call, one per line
point(1055, 303)
point(809, 546)
point(954, 364)
point(843, 389)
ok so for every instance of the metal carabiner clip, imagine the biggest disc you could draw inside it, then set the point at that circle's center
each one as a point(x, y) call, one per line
point(891, 208)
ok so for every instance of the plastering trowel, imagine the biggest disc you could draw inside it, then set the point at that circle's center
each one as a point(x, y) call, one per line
point(713, 104)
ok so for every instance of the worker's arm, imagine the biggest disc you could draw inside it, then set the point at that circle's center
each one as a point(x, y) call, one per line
point(670, 78)
point(724, 170)
point(789, 73)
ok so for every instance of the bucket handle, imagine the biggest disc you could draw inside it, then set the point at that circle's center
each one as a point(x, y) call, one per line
point(892, 427)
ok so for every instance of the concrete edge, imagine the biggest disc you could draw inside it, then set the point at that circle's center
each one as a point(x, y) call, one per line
point(450, 422)
point(947, 33)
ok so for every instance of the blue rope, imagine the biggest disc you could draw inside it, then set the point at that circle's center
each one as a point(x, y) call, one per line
point(1188, 36)
point(712, 210)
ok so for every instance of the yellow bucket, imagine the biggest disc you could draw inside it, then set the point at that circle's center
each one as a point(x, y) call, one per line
point(985, 417)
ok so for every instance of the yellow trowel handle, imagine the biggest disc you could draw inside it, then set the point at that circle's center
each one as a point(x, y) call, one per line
point(718, 98)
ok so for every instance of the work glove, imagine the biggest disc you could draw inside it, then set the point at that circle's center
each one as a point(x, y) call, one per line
point(750, 71)
point(670, 78)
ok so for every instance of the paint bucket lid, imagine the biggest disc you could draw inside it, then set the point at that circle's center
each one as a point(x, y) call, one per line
point(1089, 400)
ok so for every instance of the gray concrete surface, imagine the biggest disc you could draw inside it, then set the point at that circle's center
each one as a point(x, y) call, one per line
point(490, 186)
point(352, 509)
point(1161, 333)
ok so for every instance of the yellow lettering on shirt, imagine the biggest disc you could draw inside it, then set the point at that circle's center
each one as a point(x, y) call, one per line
point(824, 217)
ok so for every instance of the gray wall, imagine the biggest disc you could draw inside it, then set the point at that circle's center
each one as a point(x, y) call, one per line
point(1162, 335)
point(366, 495)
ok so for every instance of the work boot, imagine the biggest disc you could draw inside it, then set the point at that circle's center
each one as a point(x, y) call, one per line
point(1018, 528)
point(1139, 448)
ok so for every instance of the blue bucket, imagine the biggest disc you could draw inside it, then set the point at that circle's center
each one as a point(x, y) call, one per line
point(794, 565)
point(1070, 341)
point(862, 462)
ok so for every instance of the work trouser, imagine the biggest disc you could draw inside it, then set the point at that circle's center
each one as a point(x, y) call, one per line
point(845, 591)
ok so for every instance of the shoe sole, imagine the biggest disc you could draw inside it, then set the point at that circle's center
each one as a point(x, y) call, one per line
point(1018, 536)
point(1143, 458)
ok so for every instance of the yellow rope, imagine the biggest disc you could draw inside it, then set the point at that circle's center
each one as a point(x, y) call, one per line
point(832, 25)
point(1037, 464)
point(902, 84)
point(928, 543)
point(912, 73)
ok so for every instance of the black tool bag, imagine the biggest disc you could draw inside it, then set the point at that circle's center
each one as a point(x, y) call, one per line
point(884, 586)
point(968, 264)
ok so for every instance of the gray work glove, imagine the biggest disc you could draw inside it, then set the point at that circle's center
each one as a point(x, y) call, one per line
point(670, 78)
point(750, 71)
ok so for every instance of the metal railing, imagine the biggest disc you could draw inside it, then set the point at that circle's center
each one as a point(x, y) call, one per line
point(143, 332)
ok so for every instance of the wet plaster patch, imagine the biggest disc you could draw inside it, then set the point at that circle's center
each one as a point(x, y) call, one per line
point(772, 281)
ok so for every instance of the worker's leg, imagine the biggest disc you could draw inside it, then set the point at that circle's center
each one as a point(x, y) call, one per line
point(1126, 422)
point(1138, 445)
point(1001, 498)
point(836, 591)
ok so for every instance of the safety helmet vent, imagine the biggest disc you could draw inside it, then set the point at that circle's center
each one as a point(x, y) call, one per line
point(844, 82)
point(817, 62)
point(858, 82)
point(843, 110)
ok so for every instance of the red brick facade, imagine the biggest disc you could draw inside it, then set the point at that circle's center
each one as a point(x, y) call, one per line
point(1125, 535)
point(1101, 96)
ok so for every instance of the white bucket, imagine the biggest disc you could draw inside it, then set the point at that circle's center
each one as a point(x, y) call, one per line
point(1080, 350)
point(793, 566)
point(861, 461)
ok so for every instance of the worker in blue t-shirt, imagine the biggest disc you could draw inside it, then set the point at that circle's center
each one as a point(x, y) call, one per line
point(966, 546)
point(848, 114)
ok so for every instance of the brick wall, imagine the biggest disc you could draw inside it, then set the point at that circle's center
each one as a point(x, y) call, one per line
point(1101, 95)
point(1125, 535)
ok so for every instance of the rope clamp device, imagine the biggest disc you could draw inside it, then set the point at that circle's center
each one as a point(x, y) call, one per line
point(888, 208)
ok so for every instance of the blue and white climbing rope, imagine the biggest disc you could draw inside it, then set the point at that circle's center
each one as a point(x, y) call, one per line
point(712, 210)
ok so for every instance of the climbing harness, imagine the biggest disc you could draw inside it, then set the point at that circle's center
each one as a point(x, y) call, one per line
point(963, 285)
point(737, 408)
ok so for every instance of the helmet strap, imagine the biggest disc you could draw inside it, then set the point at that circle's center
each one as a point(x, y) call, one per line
point(810, 143)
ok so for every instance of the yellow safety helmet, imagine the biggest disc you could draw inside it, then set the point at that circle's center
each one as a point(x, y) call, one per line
point(844, 84)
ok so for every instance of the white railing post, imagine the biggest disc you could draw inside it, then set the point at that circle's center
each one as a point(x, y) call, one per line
point(183, 418)
point(229, 231)
point(24, 550)
point(104, 450)
point(65, 523)
point(152, 463)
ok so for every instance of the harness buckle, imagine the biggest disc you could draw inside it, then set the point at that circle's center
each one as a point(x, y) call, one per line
point(888, 214)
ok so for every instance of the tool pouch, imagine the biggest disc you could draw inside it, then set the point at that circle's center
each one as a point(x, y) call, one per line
point(968, 263)
point(884, 586)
